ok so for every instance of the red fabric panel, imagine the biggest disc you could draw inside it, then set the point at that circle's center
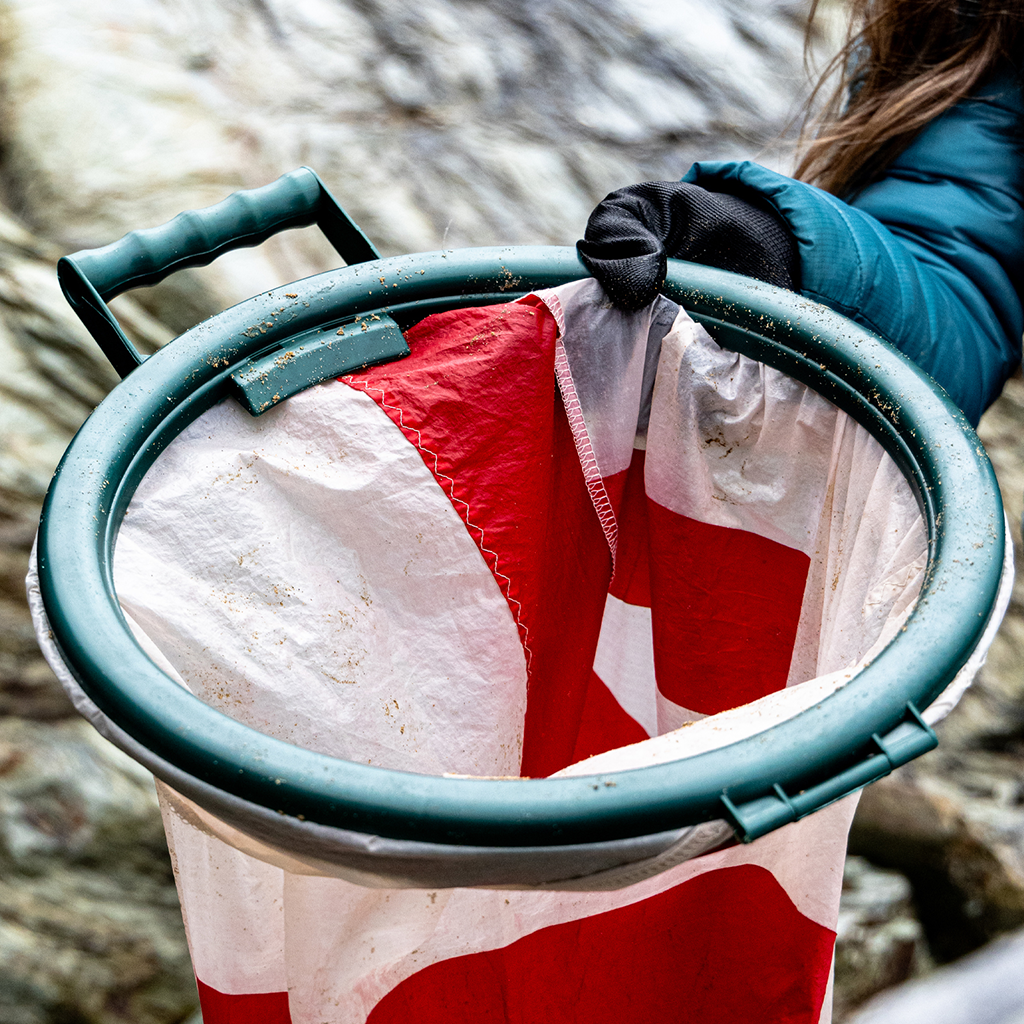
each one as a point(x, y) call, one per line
point(632, 580)
point(725, 603)
point(604, 725)
point(724, 948)
point(725, 610)
point(264, 1008)
point(478, 398)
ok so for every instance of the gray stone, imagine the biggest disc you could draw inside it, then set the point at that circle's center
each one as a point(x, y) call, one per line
point(66, 795)
point(90, 927)
point(438, 123)
point(451, 122)
point(879, 941)
point(986, 987)
point(52, 376)
point(96, 945)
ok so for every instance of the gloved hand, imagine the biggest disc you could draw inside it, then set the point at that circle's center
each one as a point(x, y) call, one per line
point(633, 230)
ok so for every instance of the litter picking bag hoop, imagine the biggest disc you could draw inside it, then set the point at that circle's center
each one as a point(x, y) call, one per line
point(278, 343)
point(558, 540)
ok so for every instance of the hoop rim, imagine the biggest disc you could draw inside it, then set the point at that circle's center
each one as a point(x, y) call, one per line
point(852, 737)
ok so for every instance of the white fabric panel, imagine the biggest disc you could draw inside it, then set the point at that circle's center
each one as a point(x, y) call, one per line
point(867, 562)
point(605, 363)
point(229, 901)
point(625, 661)
point(323, 590)
point(672, 716)
point(345, 946)
point(609, 389)
point(625, 664)
point(734, 443)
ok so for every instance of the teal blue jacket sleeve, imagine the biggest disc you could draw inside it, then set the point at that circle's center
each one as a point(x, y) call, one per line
point(931, 257)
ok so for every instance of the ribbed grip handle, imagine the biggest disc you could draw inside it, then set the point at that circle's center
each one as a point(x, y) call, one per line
point(194, 239)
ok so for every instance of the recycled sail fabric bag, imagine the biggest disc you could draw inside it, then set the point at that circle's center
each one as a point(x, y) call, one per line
point(557, 539)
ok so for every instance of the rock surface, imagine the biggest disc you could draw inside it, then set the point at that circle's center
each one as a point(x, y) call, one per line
point(444, 123)
point(90, 928)
point(439, 123)
point(986, 987)
point(52, 375)
point(879, 941)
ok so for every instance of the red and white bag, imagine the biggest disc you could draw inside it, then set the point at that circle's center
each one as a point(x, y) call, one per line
point(556, 539)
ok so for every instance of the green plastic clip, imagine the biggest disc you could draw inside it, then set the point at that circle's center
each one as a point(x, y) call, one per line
point(911, 738)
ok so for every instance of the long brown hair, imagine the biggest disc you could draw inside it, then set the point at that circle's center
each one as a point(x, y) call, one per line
point(904, 62)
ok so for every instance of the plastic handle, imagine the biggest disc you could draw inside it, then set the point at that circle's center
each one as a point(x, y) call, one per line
point(194, 239)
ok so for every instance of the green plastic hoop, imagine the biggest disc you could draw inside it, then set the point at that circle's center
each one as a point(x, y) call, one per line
point(851, 738)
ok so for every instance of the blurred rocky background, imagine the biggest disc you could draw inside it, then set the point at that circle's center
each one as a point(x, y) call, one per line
point(437, 123)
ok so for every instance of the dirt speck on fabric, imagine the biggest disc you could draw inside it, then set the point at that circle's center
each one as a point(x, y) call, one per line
point(340, 682)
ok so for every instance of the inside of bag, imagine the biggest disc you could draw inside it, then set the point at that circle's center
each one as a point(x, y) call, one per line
point(555, 538)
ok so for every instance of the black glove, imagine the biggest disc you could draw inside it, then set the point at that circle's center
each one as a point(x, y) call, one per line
point(632, 232)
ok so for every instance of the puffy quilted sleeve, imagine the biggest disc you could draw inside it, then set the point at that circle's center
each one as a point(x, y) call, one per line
point(932, 256)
